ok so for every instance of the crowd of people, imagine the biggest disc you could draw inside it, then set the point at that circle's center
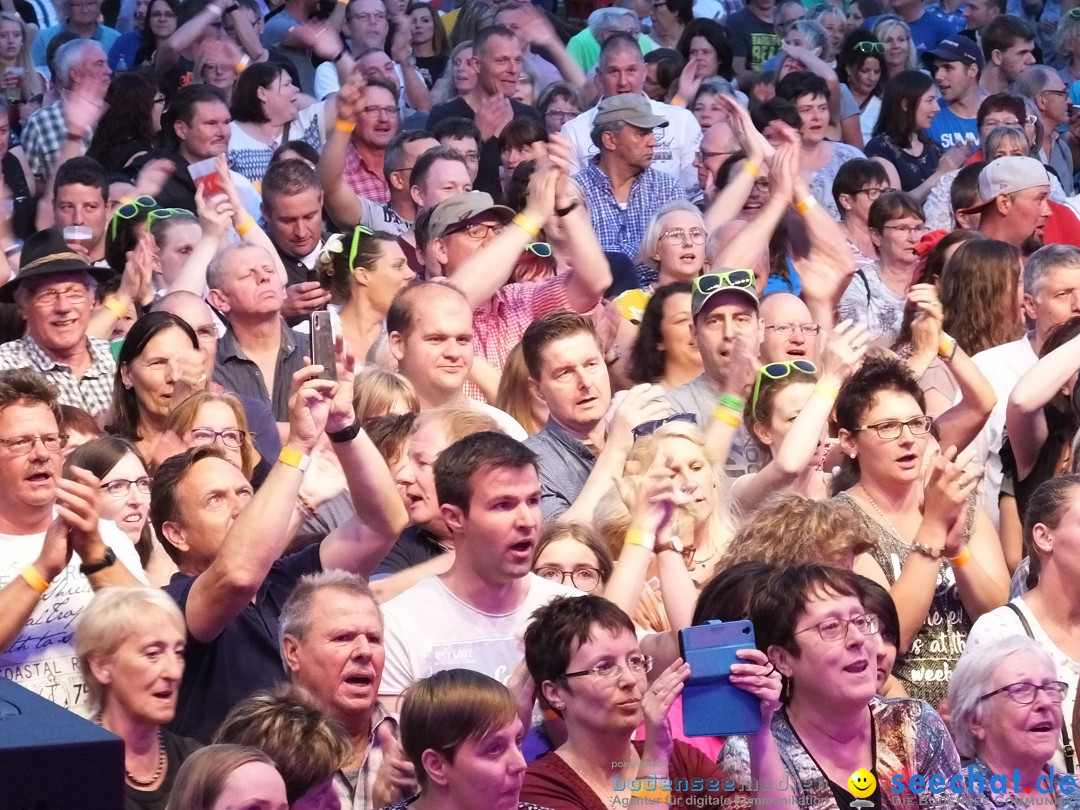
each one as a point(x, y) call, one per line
point(386, 386)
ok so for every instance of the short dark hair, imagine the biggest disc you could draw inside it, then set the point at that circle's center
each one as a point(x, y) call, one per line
point(389, 433)
point(856, 174)
point(302, 148)
point(879, 601)
point(545, 330)
point(682, 9)
point(480, 39)
point(183, 103)
point(669, 64)
point(775, 109)
point(561, 625)
point(456, 129)
point(246, 105)
point(286, 178)
point(394, 155)
point(801, 83)
point(83, 171)
point(965, 188)
point(875, 375)
point(464, 458)
point(727, 596)
point(1003, 32)
point(851, 58)
point(170, 474)
point(25, 386)
point(891, 206)
point(427, 160)
point(1001, 102)
point(521, 133)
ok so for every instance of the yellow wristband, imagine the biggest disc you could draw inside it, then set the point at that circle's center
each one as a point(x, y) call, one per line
point(35, 580)
point(638, 537)
point(727, 416)
point(114, 306)
point(751, 169)
point(961, 559)
point(245, 60)
point(946, 348)
point(805, 204)
point(294, 458)
point(678, 101)
point(826, 389)
point(344, 126)
point(527, 225)
point(245, 226)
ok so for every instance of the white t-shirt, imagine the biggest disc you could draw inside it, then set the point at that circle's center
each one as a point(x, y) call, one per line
point(42, 656)
point(1003, 623)
point(428, 630)
point(676, 144)
point(1003, 366)
point(869, 302)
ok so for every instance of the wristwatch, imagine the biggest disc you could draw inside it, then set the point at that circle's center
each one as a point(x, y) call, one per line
point(345, 434)
point(86, 569)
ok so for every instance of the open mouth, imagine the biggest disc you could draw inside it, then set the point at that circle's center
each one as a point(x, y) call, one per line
point(522, 547)
point(907, 459)
point(857, 667)
point(795, 351)
point(39, 477)
point(360, 680)
point(1042, 726)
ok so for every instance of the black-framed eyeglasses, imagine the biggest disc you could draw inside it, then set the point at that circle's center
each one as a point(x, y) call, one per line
point(122, 486)
point(653, 425)
point(585, 578)
point(638, 664)
point(876, 48)
point(1062, 93)
point(873, 192)
point(892, 428)
point(836, 629)
point(21, 445)
point(1023, 692)
point(231, 438)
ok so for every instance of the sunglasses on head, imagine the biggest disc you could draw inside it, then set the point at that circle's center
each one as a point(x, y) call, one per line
point(778, 371)
point(540, 249)
point(711, 282)
point(870, 47)
point(163, 213)
point(357, 231)
point(1074, 14)
point(653, 425)
point(130, 210)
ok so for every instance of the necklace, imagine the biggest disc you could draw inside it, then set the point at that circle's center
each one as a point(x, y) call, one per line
point(161, 762)
point(888, 523)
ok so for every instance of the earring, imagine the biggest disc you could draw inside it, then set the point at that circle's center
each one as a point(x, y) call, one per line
point(852, 456)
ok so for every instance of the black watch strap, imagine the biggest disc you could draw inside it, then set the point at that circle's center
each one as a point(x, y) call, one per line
point(346, 434)
point(86, 569)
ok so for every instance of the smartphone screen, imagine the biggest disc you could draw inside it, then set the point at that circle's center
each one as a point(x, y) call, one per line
point(322, 344)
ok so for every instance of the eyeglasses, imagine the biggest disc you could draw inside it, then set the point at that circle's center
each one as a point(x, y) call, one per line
point(703, 155)
point(374, 110)
point(163, 213)
point(780, 370)
point(231, 438)
point(357, 232)
point(653, 425)
point(1062, 93)
point(480, 230)
point(561, 115)
point(870, 47)
point(21, 445)
point(49, 298)
point(836, 629)
point(638, 664)
point(540, 249)
point(207, 333)
point(121, 487)
point(874, 192)
point(711, 282)
point(785, 329)
point(892, 428)
point(584, 579)
point(908, 230)
point(1024, 693)
point(678, 236)
point(130, 210)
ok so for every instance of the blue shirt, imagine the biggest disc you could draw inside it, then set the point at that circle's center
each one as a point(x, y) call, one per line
point(926, 32)
point(949, 128)
point(954, 19)
point(103, 35)
point(621, 229)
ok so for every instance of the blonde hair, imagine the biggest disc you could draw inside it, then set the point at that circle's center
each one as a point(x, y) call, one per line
point(181, 419)
point(113, 615)
point(514, 395)
point(202, 777)
point(791, 530)
point(458, 421)
point(881, 30)
point(32, 83)
point(652, 232)
point(375, 391)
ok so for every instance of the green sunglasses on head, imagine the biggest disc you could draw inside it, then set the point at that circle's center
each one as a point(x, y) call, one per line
point(877, 48)
point(357, 231)
point(710, 282)
point(163, 213)
point(778, 371)
point(130, 210)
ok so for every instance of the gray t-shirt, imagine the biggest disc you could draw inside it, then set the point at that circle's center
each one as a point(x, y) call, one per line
point(700, 398)
point(869, 302)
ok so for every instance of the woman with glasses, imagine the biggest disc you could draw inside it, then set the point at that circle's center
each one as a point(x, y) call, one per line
point(130, 643)
point(820, 634)
point(787, 417)
point(860, 67)
point(583, 655)
point(1044, 613)
point(934, 547)
point(559, 103)
point(857, 186)
point(1006, 701)
point(131, 128)
point(573, 554)
point(218, 419)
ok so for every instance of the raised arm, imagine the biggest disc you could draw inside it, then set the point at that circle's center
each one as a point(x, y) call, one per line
point(340, 200)
point(214, 217)
point(243, 222)
point(417, 94)
point(730, 199)
point(168, 52)
point(77, 508)
point(540, 34)
point(259, 534)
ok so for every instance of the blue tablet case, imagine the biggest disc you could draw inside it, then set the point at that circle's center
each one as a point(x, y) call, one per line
point(712, 706)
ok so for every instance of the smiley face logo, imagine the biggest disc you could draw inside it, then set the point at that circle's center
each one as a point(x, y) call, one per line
point(861, 783)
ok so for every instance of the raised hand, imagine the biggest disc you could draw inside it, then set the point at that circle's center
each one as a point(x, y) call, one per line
point(758, 677)
point(350, 98)
point(215, 214)
point(844, 351)
point(153, 176)
point(642, 403)
point(655, 705)
point(955, 157)
point(77, 506)
point(309, 406)
point(946, 492)
point(342, 412)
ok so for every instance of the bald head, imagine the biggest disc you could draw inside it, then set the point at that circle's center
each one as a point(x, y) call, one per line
point(717, 145)
point(788, 331)
point(196, 313)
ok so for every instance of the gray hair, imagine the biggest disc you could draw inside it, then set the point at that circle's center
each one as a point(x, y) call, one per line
point(652, 232)
point(1047, 259)
point(972, 676)
point(618, 44)
point(606, 17)
point(295, 618)
point(215, 270)
point(1034, 80)
point(817, 38)
point(598, 130)
point(998, 134)
point(68, 57)
point(26, 289)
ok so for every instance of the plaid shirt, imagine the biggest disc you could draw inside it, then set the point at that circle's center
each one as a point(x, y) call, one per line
point(93, 391)
point(621, 229)
point(354, 788)
point(367, 184)
point(42, 137)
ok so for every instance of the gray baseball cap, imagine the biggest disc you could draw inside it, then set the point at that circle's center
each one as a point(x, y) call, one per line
point(629, 108)
point(460, 208)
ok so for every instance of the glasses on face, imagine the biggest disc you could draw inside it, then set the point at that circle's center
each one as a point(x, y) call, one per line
point(121, 487)
point(480, 230)
point(710, 282)
point(230, 437)
point(561, 115)
point(703, 155)
point(21, 445)
point(873, 193)
point(207, 333)
point(357, 232)
point(877, 48)
point(836, 629)
point(73, 295)
point(778, 371)
point(1062, 93)
point(1024, 693)
point(653, 425)
point(638, 664)
point(584, 579)
point(130, 211)
point(786, 329)
point(679, 236)
point(540, 249)
point(892, 428)
point(907, 230)
point(374, 110)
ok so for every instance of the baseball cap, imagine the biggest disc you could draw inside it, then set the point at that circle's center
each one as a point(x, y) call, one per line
point(741, 282)
point(955, 49)
point(460, 208)
point(1008, 175)
point(630, 108)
